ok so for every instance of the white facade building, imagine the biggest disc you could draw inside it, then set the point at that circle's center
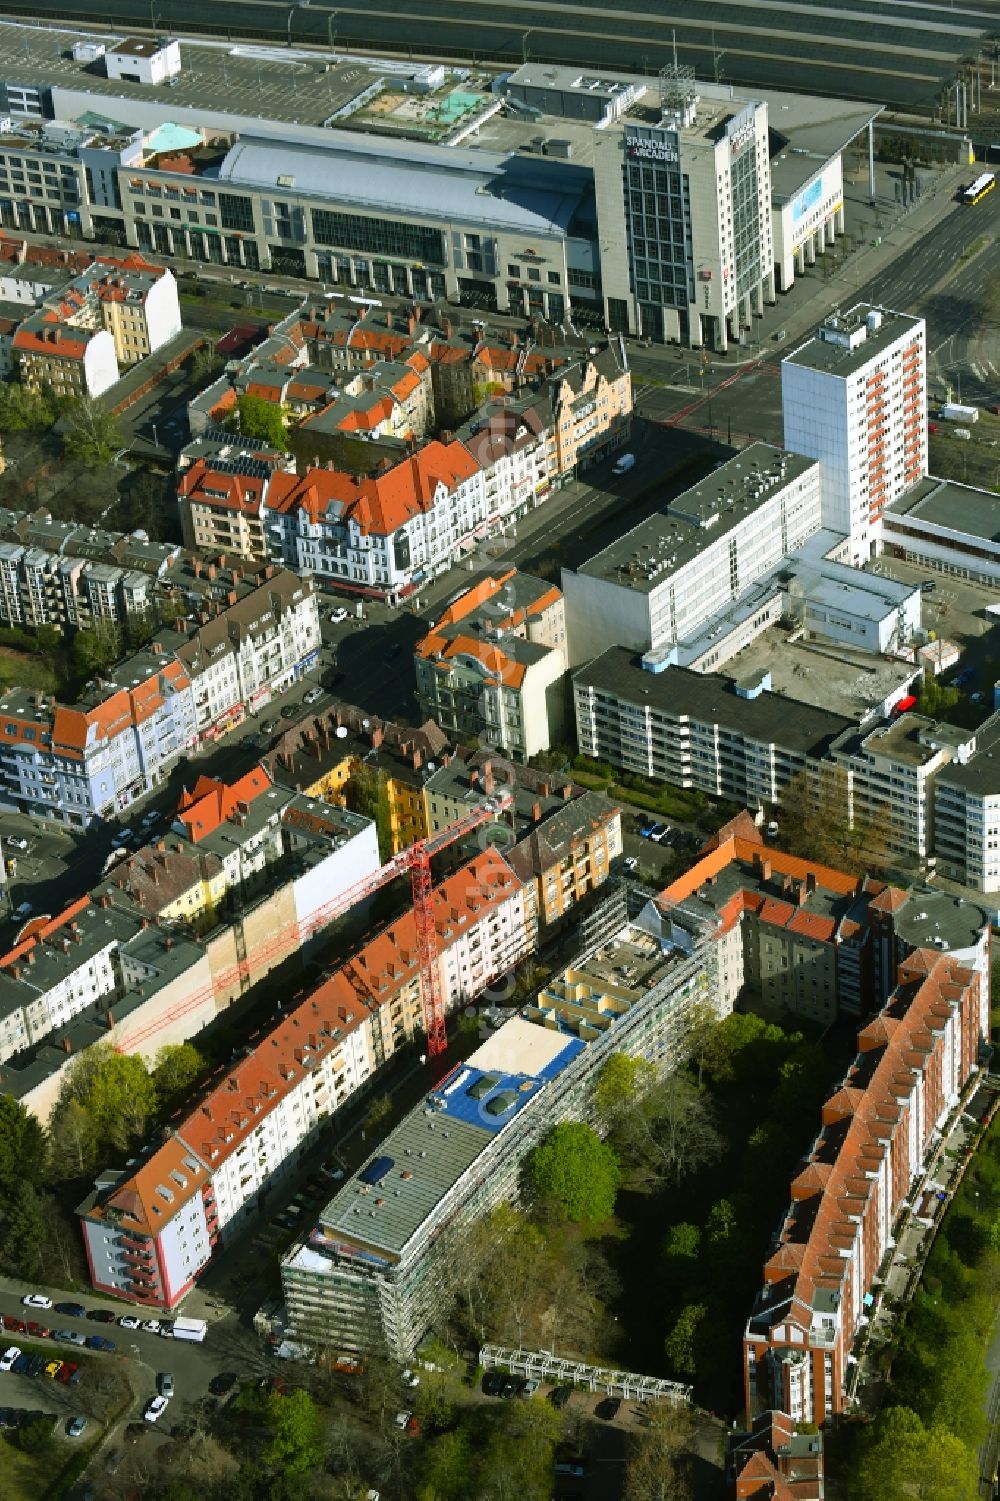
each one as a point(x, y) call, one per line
point(653, 588)
point(142, 60)
point(855, 397)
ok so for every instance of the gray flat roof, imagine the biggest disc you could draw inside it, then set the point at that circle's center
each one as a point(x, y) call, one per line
point(931, 918)
point(958, 508)
point(410, 177)
point(681, 694)
point(835, 358)
point(644, 558)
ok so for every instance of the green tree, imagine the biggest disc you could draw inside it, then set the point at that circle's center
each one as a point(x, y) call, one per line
point(296, 1438)
point(681, 1344)
point(367, 792)
point(72, 1141)
point(22, 1148)
point(449, 1462)
point(379, 1111)
point(204, 365)
point(115, 1090)
point(901, 1460)
point(92, 434)
point(24, 410)
point(622, 1083)
point(95, 648)
point(26, 1231)
point(516, 1460)
point(576, 1172)
point(177, 1069)
point(934, 699)
point(256, 418)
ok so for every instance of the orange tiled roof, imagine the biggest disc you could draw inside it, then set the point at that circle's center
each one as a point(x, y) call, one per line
point(211, 487)
point(211, 801)
point(378, 505)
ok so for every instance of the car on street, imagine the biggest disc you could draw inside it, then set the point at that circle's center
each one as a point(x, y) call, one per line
point(312, 695)
point(165, 1382)
point(101, 1315)
point(222, 1383)
point(76, 1426)
point(53, 1368)
point(493, 1383)
point(151, 1326)
point(155, 1408)
point(289, 711)
point(331, 1169)
point(8, 1358)
point(69, 1336)
point(569, 1467)
point(167, 1328)
point(101, 1342)
point(36, 1300)
point(150, 818)
point(71, 1310)
point(269, 726)
point(631, 863)
point(336, 616)
point(122, 837)
point(129, 1321)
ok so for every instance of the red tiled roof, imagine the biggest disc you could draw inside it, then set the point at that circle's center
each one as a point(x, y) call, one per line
point(211, 801)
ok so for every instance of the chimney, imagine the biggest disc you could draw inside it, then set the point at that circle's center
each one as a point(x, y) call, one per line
point(474, 777)
point(566, 791)
point(546, 789)
point(411, 322)
point(801, 894)
point(488, 777)
point(810, 880)
point(67, 1046)
point(211, 571)
point(168, 942)
point(15, 971)
point(268, 571)
point(197, 568)
point(389, 322)
point(377, 737)
point(418, 758)
point(222, 560)
point(109, 1019)
point(231, 597)
point(763, 867)
point(446, 325)
point(536, 812)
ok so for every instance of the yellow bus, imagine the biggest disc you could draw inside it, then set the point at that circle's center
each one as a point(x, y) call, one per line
point(982, 185)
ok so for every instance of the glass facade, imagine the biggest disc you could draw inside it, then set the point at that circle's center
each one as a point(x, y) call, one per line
point(746, 219)
point(658, 221)
point(412, 242)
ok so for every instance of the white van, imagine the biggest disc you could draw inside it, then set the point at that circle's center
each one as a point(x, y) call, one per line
point(625, 463)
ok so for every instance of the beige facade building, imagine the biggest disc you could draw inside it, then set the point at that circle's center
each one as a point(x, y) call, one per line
point(591, 409)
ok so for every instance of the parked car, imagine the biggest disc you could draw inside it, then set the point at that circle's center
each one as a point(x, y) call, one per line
point(155, 1408)
point(122, 837)
point(8, 1358)
point(392, 651)
point(492, 1384)
point(410, 1378)
point(408, 1423)
point(560, 1395)
point(70, 1374)
point(312, 695)
point(16, 842)
point(53, 1368)
point(71, 1336)
point(129, 1321)
point(37, 1331)
point(928, 586)
point(289, 711)
point(222, 1383)
point(269, 726)
point(151, 1326)
point(76, 1426)
point(71, 1310)
point(165, 1382)
point(608, 1408)
point(631, 863)
point(101, 1315)
point(660, 833)
point(330, 1169)
point(15, 1326)
point(336, 616)
point(101, 1342)
point(36, 1300)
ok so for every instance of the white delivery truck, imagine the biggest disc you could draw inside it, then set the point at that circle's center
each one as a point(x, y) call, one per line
point(952, 412)
point(193, 1329)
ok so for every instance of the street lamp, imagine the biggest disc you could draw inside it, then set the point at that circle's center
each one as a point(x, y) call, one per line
point(330, 28)
point(291, 13)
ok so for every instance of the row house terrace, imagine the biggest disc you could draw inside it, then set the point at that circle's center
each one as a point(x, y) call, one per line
point(150, 1232)
point(915, 1058)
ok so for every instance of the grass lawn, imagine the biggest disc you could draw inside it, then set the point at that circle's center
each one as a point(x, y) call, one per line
point(23, 670)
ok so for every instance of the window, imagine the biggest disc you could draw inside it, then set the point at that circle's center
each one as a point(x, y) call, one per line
point(554, 278)
point(378, 236)
point(236, 210)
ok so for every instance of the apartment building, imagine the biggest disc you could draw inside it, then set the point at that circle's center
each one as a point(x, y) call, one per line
point(775, 1462)
point(654, 587)
point(725, 737)
point(60, 967)
point(494, 662)
point(378, 1269)
point(854, 397)
point(569, 855)
point(64, 574)
point(966, 814)
point(868, 1162)
point(808, 939)
point(889, 775)
point(255, 647)
point(147, 1241)
point(69, 359)
point(135, 301)
point(591, 405)
point(192, 685)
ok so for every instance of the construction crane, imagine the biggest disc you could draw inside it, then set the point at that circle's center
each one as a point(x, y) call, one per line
point(415, 861)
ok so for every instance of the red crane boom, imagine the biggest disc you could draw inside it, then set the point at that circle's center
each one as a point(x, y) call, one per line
point(415, 859)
